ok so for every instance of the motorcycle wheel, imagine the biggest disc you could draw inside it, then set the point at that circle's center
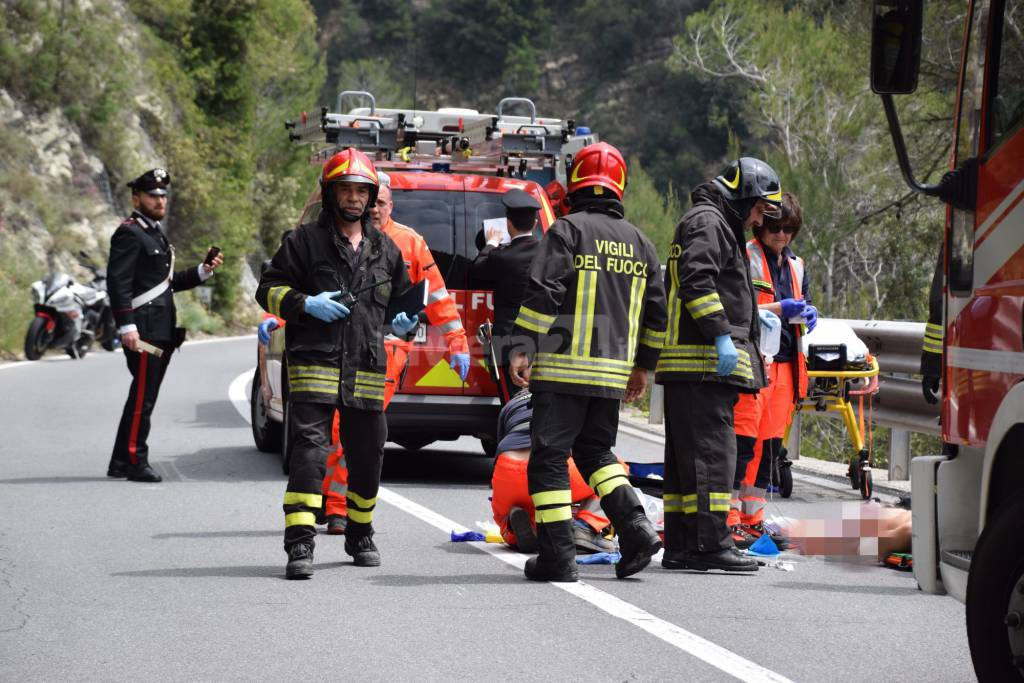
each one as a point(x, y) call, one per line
point(37, 339)
point(81, 347)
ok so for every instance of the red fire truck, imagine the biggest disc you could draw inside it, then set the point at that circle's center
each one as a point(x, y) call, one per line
point(968, 505)
point(448, 169)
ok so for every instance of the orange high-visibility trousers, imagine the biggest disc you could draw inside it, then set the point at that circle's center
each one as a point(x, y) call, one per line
point(509, 489)
point(748, 413)
point(336, 476)
point(777, 413)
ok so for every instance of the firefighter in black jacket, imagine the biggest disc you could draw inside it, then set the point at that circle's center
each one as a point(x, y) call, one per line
point(141, 282)
point(710, 355)
point(333, 280)
point(592, 322)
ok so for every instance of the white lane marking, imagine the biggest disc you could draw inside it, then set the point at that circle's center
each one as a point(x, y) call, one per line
point(26, 363)
point(715, 655)
point(239, 396)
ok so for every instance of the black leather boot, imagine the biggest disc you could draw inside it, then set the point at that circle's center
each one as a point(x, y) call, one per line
point(362, 549)
point(143, 472)
point(726, 560)
point(117, 469)
point(675, 542)
point(638, 541)
point(300, 561)
point(557, 558)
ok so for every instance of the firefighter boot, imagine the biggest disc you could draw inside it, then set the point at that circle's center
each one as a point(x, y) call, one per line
point(638, 541)
point(726, 560)
point(557, 558)
point(675, 542)
point(362, 549)
point(300, 561)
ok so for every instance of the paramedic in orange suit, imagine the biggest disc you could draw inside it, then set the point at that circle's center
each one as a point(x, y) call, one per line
point(441, 312)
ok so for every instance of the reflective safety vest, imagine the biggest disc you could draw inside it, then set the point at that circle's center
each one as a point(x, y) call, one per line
point(761, 276)
point(594, 307)
point(441, 310)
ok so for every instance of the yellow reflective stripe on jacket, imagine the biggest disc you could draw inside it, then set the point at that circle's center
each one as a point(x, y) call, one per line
point(560, 497)
point(548, 515)
point(719, 502)
point(704, 305)
point(608, 478)
point(300, 519)
point(700, 358)
point(369, 385)
point(313, 386)
point(275, 295)
point(312, 500)
point(636, 305)
point(313, 372)
point(534, 321)
point(933, 337)
point(594, 363)
point(653, 338)
point(583, 317)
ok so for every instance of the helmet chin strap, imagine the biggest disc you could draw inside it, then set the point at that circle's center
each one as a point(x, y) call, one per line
point(350, 217)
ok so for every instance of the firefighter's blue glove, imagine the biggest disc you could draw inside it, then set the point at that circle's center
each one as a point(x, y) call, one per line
point(810, 316)
point(727, 355)
point(768, 319)
point(462, 361)
point(264, 330)
point(402, 325)
point(322, 307)
point(792, 308)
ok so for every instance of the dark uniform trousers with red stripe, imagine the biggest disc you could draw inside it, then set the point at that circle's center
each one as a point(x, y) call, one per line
point(130, 447)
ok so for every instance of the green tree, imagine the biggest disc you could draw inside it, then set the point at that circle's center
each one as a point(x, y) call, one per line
point(648, 209)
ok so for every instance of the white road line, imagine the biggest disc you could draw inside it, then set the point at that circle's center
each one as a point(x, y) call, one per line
point(715, 655)
point(239, 396)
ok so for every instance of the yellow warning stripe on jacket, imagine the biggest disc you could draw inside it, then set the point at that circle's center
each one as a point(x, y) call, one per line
point(315, 379)
point(704, 305)
point(534, 320)
point(700, 359)
point(933, 336)
point(369, 385)
point(559, 367)
point(653, 338)
point(275, 295)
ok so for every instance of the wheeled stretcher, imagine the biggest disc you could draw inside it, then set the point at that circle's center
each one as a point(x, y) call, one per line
point(841, 372)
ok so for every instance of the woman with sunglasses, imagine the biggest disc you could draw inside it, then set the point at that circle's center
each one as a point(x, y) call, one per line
point(780, 282)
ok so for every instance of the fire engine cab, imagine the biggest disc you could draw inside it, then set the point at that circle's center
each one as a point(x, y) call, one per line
point(968, 504)
point(448, 170)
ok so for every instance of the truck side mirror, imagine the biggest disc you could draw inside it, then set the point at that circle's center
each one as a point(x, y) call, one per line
point(896, 46)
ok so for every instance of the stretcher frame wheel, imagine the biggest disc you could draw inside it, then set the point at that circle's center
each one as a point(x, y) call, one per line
point(866, 487)
point(785, 481)
point(854, 473)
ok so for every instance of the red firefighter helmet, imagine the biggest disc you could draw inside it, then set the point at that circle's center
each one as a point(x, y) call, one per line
point(352, 166)
point(558, 197)
point(599, 166)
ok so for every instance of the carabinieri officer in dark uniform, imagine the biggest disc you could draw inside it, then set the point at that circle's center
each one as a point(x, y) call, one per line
point(141, 282)
point(507, 267)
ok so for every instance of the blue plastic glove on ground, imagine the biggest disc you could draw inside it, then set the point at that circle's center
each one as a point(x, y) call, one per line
point(792, 308)
point(402, 325)
point(462, 361)
point(599, 558)
point(727, 355)
point(768, 319)
point(323, 308)
point(467, 536)
point(264, 330)
point(810, 316)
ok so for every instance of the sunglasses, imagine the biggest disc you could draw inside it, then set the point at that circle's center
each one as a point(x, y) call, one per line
point(776, 229)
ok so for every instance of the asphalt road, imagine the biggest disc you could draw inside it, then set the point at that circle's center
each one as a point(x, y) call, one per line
point(110, 580)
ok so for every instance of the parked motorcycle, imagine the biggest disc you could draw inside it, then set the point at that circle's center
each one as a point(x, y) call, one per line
point(70, 316)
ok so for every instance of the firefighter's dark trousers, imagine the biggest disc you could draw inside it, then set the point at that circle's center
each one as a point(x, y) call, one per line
point(148, 371)
point(700, 461)
point(587, 426)
point(363, 433)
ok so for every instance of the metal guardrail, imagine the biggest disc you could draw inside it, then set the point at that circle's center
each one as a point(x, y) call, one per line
point(899, 403)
